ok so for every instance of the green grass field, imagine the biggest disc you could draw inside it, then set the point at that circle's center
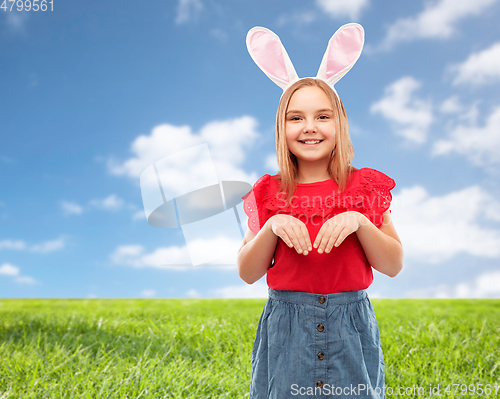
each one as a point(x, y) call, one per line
point(201, 348)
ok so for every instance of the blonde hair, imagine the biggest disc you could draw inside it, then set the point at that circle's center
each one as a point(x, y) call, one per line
point(341, 157)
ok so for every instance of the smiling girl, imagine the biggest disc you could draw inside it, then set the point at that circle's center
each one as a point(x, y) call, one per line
point(317, 228)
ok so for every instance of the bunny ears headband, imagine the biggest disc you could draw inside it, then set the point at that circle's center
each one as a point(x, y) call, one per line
point(344, 49)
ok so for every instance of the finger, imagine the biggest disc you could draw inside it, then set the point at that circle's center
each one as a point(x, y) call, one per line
point(300, 232)
point(308, 239)
point(343, 235)
point(319, 236)
point(331, 238)
point(334, 239)
point(293, 234)
point(323, 231)
point(329, 244)
point(326, 237)
point(284, 236)
point(305, 240)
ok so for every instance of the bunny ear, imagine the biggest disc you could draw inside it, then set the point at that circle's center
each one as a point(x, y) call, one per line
point(266, 50)
point(344, 49)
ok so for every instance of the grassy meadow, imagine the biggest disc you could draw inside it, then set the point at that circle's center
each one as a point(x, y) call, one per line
point(201, 348)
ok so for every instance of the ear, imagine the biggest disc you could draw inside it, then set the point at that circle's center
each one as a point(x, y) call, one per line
point(344, 49)
point(266, 50)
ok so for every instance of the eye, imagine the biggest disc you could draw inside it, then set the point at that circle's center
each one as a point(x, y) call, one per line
point(294, 118)
point(324, 117)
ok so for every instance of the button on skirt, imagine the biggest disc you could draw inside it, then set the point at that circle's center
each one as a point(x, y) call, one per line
point(323, 346)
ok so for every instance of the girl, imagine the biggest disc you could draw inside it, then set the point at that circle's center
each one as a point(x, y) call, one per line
point(317, 228)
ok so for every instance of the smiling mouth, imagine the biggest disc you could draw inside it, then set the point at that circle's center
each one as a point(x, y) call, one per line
point(310, 142)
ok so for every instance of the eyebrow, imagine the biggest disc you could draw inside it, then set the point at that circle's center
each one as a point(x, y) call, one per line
point(295, 111)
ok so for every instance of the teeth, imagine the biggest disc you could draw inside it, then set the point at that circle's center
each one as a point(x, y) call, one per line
point(312, 141)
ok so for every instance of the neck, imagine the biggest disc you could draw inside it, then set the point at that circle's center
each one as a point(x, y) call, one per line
point(310, 172)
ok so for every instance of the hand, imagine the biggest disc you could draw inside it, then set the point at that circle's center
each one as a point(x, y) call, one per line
point(336, 229)
point(292, 231)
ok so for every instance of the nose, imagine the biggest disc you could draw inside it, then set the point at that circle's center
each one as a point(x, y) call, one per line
point(310, 126)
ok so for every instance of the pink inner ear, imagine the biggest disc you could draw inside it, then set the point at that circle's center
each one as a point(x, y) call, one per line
point(344, 50)
point(269, 55)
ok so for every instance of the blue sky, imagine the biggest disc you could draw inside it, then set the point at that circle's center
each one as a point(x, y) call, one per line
point(94, 92)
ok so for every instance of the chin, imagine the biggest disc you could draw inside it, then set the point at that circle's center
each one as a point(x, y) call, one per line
point(313, 158)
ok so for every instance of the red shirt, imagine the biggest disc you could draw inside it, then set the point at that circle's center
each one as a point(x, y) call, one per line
point(345, 268)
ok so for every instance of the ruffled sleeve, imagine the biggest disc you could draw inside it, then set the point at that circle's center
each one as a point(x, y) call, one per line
point(375, 188)
point(253, 202)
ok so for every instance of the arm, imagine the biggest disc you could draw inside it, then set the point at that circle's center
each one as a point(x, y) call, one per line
point(382, 246)
point(256, 253)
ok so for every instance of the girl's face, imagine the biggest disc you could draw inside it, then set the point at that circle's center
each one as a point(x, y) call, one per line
point(310, 125)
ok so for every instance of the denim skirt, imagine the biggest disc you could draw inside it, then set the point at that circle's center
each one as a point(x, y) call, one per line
point(322, 346)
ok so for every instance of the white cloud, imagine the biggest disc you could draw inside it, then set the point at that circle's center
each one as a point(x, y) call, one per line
point(457, 111)
point(451, 105)
point(486, 285)
point(16, 21)
point(480, 68)
point(437, 20)
point(343, 8)
point(480, 144)
point(9, 270)
point(44, 247)
point(411, 116)
point(49, 246)
point(434, 229)
point(296, 18)
point(14, 245)
point(134, 255)
point(25, 280)
point(272, 164)
point(336, 9)
point(212, 250)
point(177, 256)
point(227, 141)
point(71, 208)
point(139, 215)
point(188, 10)
point(148, 293)
point(110, 203)
point(255, 290)
point(219, 34)
point(193, 293)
